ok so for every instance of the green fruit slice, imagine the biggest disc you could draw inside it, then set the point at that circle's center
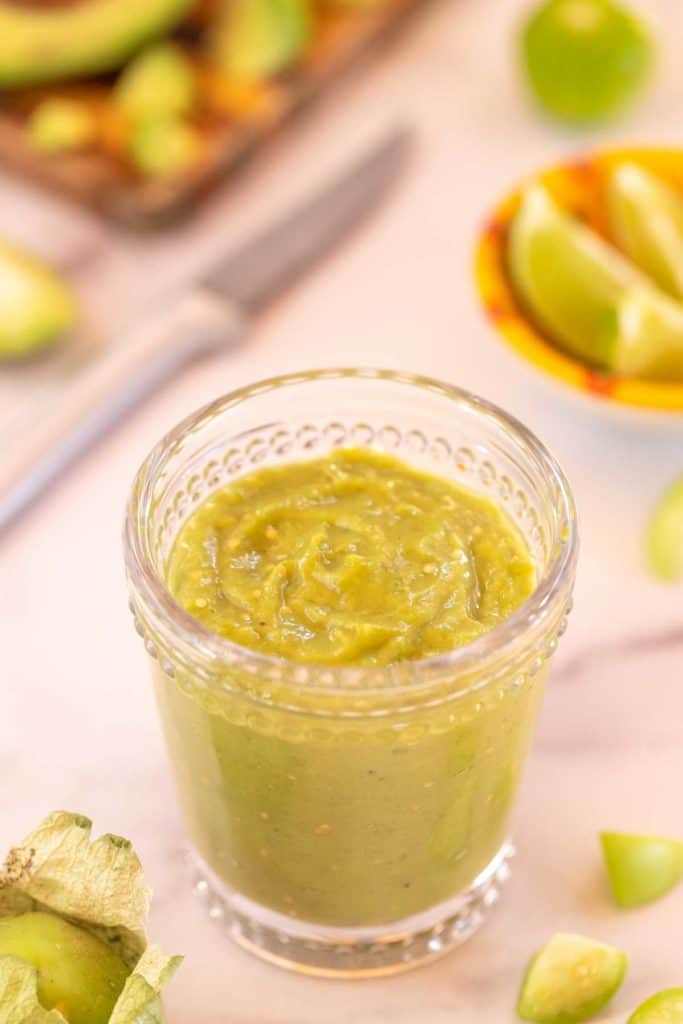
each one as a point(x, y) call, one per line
point(664, 1008)
point(640, 869)
point(646, 218)
point(592, 301)
point(37, 308)
point(162, 147)
point(77, 972)
point(570, 979)
point(258, 38)
point(157, 83)
point(664, 537)
point(48, 43)
point(585, 59)
point(59, 125)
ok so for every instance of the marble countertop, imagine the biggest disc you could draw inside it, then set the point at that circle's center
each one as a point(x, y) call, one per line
point(78, 728)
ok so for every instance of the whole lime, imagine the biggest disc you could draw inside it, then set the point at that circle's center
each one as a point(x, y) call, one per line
point(586, 59)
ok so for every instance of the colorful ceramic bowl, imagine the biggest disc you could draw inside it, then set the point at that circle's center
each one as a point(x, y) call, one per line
point(579, 187)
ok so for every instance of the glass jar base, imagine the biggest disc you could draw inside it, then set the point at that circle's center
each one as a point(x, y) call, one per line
point(352, 952)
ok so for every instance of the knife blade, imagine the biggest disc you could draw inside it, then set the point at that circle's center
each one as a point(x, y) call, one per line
point(210, 317)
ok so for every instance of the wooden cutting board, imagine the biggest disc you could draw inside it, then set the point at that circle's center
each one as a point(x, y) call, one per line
point(235, 121)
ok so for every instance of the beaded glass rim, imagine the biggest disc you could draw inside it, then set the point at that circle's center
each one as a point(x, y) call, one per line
point(155, 596)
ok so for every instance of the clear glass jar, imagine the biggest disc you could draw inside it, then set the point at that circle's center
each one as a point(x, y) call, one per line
point(349, 820)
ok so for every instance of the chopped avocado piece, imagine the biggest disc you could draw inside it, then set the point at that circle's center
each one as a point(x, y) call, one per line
point(257, 38)
point(73, 944)
point(593, 302)
point(646, 218)
point(162, 147)
point(664, 538)
point(40, 44)
point(58, 125)
point(157, 83)
point(585, 59)
point(640, 869)
point(664, 1008)
point(37, 308)
point(570, 979)
point(77, 972)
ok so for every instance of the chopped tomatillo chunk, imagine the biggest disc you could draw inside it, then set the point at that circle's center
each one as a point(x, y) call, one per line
point(570, 980)
point(663, 1008)
point(640, 869)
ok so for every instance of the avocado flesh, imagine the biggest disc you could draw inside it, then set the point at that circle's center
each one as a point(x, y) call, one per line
point(164, 146)
point(37, 308)
point(158, 83)
point(258, 38)
point(61, 125)
point(78, 974)
point(47, 44)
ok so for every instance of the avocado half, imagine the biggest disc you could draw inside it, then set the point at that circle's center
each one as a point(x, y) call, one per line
point(46, 44)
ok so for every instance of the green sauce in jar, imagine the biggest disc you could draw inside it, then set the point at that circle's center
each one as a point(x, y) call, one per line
point(354, 559)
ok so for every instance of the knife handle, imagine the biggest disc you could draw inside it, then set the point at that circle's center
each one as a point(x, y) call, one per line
point(105, 391)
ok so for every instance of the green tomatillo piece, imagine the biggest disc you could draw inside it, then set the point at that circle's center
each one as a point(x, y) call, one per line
point(593, 302)
point(59, 125)
point(73, 946)
point(646, 220)
point(663, 1008)
point(157, 83)
point(255, 39)
point(585, 59)
point(570, 980)
point(640, 869)
point(37, 308)
point(664, 537)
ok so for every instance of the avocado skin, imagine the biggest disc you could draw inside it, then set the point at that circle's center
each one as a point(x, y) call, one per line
point(42, 45)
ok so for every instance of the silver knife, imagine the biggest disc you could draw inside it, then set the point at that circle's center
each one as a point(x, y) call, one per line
point(210, 317)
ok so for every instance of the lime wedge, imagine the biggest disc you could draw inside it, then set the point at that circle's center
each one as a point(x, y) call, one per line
point(646, 216)
point(585, 59)
point(664, 537)
point(570, 979)
point(664, 1008)
point(592, 302)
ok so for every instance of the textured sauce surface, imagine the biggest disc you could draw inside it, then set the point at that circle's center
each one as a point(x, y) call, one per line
point(353, 558)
